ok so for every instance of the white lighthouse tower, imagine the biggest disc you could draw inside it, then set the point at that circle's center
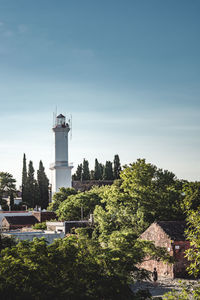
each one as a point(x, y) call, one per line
point(61, 170)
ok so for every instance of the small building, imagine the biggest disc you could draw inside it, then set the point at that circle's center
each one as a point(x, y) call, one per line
point(14, 213)
point(168, 234)
point(17, 222)
point(67, 226)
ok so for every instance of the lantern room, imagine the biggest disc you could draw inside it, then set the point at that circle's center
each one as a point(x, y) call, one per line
point(60, 121)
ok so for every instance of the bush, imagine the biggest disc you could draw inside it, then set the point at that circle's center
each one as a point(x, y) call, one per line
point(42, 226)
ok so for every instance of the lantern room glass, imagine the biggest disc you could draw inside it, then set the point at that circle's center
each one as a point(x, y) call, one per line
point(60, 121)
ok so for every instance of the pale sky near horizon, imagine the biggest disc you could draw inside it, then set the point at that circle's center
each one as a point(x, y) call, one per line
point(128, 72)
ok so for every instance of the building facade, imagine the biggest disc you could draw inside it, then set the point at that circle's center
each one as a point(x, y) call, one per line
point(170, 235)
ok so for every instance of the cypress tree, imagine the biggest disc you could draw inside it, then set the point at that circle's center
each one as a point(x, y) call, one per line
point(78, 174)
point(24, 180)
point(86, 171)
point(108, 171)
point(101, 169)
point(43, 187)
point(117, 167)
point(92, 175)
point(32, 187)
point(97, 170)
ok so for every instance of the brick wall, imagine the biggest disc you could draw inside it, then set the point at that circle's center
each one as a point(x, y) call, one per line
point(181, 262)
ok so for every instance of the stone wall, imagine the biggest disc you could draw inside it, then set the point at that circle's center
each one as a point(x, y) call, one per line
point(175, 248)
point(159, 237)
point(86, 185)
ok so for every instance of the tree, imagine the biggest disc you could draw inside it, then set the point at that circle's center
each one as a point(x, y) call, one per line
point(191, 204)
point(156, 192)
point(7, 188)
point(32, 187)
point(43, 186)
point(108, 171)
point(86, 171)
point(92, 175)
point(60, 196)
point(97, 170)
point(76, 267)
point(101, 168)
point(24, 181)
point(78, 174)
point(70, 209)
point(117, 167)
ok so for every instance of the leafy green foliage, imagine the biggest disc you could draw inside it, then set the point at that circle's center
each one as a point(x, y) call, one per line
point(41, 226)
point(72, 268)
point(7, 188)
point(157, 193)
point(60, 196)
point(70, 209)
point(6, 242)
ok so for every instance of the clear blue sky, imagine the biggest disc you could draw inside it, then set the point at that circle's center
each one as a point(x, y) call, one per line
point(128, 71)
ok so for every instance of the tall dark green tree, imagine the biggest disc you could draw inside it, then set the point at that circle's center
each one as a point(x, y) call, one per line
point(117, 167)
point(97, 170)
point(101, 168)
point(86, 171)
point(24, 180)
point(32, 187)
point(78, 174)
point(108, 171)
point(43, 186)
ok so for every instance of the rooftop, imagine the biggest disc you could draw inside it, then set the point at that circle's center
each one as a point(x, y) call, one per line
point(174, 229)
point(21, 220)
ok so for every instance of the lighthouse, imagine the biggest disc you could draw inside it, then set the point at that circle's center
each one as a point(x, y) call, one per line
point(60, 169)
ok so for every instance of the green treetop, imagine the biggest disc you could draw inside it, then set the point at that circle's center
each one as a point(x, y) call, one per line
point(43, 185)
point(86, 171)
point(108, 171)
point(117, 167)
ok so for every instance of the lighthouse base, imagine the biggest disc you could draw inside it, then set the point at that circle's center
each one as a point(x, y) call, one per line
point(61, 177)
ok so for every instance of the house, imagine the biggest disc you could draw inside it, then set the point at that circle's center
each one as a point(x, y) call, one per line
point(168, 234)
point(67, 226)
point(8, 223)
point(17, 222)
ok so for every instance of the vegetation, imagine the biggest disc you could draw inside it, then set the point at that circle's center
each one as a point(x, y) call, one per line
point(34, 192)
point(75, 267)
point(191, 204)
point(43, 186)
point(101, 261)
point(7, 189)
point(109, 171)
point(41, 226)
point(79, 206)
point(60, 196)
